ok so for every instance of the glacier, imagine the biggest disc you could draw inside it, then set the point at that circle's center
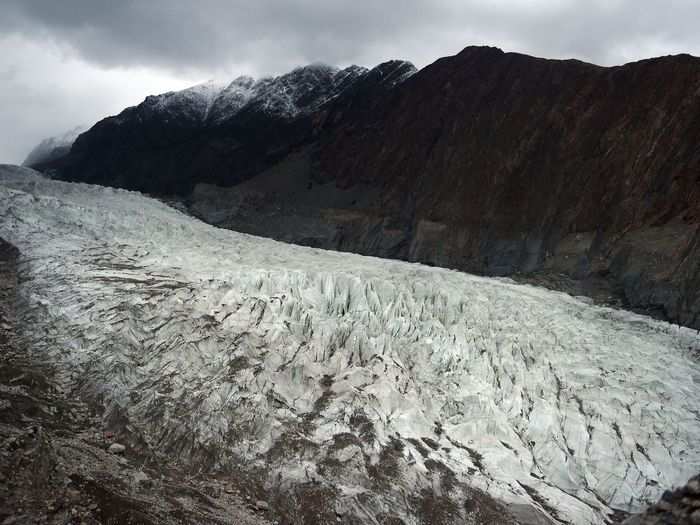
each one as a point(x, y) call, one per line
point(378, 379)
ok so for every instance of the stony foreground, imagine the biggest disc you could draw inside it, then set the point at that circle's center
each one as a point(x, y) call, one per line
point(678, 507)
point(60, 463)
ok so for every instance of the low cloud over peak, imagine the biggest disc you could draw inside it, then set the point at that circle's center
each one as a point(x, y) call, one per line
point(118, 52)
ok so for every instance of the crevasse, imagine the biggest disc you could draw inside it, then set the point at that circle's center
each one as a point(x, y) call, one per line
point(217, 345)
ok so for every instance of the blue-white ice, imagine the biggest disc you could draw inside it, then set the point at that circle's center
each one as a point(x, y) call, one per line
point(209, 337)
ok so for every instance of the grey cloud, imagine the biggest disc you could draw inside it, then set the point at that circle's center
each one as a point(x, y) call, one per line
point(272, 35)
point(121, 51)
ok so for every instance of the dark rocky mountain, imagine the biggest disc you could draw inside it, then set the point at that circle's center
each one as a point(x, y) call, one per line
point(583, 177)
point(208, 133)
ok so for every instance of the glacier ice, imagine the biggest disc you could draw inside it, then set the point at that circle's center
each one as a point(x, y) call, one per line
point(218, 345)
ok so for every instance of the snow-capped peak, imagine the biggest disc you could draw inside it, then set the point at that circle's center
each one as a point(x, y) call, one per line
point(213, 103)
point(232, 98)
point(300, 91)
point(53, 147)
point(193, 102)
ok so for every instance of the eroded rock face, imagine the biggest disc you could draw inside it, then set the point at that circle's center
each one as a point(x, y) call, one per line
point(503, 163)
point(367, 389)
point(490, 162)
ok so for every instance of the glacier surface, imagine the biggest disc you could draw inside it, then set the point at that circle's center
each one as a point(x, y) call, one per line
point(341, 370)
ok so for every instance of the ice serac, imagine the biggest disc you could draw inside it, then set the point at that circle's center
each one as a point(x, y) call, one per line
point(384, 389)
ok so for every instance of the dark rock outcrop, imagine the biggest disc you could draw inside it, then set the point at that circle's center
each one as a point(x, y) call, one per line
point(499, 163)
point(677, 507)
point(208, 133)
point(490, 162)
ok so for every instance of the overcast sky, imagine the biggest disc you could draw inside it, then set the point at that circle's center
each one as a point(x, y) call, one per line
point(70, 62)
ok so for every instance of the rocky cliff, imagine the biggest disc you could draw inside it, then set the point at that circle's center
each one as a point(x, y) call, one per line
point(498, 163)
point(490, 162)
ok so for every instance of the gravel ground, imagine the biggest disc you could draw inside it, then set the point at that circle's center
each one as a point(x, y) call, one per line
point(677, 507)
point(61, 464)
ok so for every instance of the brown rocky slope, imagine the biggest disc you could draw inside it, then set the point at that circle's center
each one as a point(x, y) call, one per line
point(503, 163)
